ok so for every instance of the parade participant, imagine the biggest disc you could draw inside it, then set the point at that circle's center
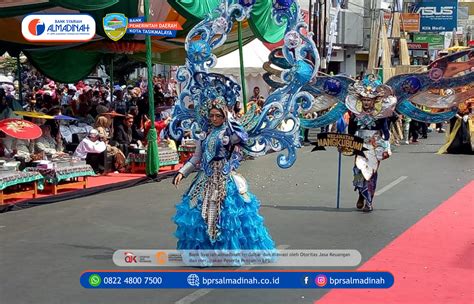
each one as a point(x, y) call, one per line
point(217, 212)
point(370, 104)
point(461, 136)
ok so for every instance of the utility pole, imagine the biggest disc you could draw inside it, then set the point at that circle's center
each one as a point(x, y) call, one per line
point(320, 8)
point(317, 25)
point(324, 32)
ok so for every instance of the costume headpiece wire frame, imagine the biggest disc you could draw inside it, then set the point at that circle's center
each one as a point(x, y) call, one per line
point(265, 131)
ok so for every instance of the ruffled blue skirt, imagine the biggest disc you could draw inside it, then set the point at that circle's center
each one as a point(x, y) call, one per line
point(240, 225)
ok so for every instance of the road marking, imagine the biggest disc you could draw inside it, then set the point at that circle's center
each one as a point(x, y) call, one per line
point(2, 227)
point(190, 298)
point(391, 185)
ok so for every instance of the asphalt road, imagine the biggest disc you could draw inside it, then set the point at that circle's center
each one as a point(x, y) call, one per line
point(44, 249)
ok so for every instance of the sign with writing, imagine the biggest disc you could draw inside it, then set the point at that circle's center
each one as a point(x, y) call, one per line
point(410, 22)
point(136, 19)
point(151, 32)
point(165, 29)
point(463, 16)
point(345, 142)
point(58, 27)
point(438, 16)
point(418, 46)
point(117, 25)
point(435, 41)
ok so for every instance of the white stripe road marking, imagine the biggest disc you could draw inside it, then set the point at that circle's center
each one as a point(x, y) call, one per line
point(2, 227)
point(391, 185)
point(202, 292)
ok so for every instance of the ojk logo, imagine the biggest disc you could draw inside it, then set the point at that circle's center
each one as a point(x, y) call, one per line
point(36, 27)
point(433, 11)
point(130, 258)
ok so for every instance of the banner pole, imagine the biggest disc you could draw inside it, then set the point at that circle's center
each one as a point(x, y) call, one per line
point(339, 179)
point(152, 165)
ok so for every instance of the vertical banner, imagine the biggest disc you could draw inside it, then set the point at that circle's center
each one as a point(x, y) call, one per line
point(333, 28)
point(399, 5)
point(410, 23)
point(438, 16)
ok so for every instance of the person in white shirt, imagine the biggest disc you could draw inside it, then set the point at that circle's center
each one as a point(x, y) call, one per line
point(90, 144)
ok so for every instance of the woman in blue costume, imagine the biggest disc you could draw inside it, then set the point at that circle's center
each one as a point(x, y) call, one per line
point(217, 212)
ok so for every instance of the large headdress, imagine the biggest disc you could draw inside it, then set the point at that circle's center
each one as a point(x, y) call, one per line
point(213, 90)
point(202, 89)
point(371, 88)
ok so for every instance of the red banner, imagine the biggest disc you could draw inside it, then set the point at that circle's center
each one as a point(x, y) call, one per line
point(418, 46)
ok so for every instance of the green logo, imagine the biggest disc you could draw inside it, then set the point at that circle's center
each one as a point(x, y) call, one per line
point(94, 280)
point(115, 26)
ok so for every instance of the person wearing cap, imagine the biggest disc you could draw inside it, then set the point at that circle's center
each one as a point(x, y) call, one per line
point(90, 144)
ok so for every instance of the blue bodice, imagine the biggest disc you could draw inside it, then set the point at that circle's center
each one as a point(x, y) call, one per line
point(219, 145)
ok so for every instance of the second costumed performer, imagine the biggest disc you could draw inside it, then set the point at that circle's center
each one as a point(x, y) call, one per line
point(370, 104)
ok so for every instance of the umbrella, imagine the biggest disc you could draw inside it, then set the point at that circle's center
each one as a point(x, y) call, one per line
point(19, 128)
point(33, 114)
point(113, 114)
point(64, 117)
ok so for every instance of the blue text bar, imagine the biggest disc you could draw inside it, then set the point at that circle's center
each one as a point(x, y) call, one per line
point(236, 279)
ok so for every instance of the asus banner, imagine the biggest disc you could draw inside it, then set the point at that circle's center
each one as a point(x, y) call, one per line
point(438, 16)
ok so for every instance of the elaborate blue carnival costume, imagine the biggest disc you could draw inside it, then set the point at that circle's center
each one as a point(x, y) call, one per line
point(218, 211)
point(406, 94)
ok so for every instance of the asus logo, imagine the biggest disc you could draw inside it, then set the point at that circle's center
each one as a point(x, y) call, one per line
point(433, 11)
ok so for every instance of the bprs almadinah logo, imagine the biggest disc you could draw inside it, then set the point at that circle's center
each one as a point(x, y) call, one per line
point(36, 27)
